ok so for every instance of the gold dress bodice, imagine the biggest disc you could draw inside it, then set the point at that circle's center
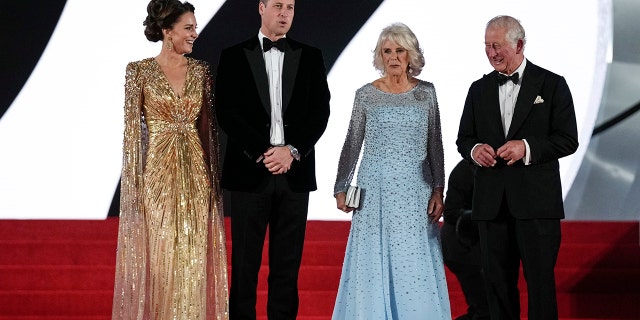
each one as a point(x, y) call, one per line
point(171, 254)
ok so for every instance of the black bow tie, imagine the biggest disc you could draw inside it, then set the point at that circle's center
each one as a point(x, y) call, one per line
point(502, 79)
point(267, 44)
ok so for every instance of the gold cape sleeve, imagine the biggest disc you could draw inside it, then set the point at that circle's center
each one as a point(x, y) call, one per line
point(217, 287)
point(131, 258)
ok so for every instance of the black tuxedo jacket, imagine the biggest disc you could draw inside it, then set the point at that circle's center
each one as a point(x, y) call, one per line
point(243, 110)
point(459, 192)
point(548, 125)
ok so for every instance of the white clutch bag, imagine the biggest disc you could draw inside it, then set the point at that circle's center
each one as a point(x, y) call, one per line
point(353, 197)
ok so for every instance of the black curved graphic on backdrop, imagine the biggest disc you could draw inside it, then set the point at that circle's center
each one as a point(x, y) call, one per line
point(329, 25)
point(27, 27)
point(615, 120)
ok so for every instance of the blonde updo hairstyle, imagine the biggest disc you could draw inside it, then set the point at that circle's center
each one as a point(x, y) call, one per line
point(400, 34)
point(163, 14)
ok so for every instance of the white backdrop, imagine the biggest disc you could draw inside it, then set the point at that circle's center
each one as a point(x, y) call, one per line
point(63, 159)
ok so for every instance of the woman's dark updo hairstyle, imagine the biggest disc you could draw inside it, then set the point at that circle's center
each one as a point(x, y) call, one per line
point(163, 14)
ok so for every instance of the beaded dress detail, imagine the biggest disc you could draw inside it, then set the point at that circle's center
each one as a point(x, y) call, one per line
point(393, 267)
point(171, 258)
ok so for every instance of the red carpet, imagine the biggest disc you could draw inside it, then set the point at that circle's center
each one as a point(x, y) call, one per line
point(63, 270)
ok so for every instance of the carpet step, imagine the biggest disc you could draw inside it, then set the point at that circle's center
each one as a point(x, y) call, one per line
point(572, 231)
point(572, 255)
point(598, 280)
point(88, 303)
point(56, 277)
point(316, 229)
point(596, 305)
point(316, 252)
point(315, 303)
point(58, 252)
point(84, 278)
point(609, 232)
point(568, 280)
point(99, 252)
point(599, 255)
point(82, 230)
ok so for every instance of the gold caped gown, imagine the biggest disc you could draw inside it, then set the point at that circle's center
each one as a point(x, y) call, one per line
point(171, 258)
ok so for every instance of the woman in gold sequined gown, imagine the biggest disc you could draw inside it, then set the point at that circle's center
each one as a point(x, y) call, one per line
point(171, 259)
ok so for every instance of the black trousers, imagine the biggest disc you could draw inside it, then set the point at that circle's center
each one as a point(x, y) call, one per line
point(284, 212)
point(505, 242)
point(463, 259)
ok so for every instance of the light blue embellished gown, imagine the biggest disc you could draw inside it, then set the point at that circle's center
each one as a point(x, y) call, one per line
point(393, 265)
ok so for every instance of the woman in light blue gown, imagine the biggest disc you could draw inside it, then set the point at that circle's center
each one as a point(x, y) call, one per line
point(393, 266)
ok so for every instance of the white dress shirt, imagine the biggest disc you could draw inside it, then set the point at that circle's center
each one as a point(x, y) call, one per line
point(273, 61)
point(508, 95)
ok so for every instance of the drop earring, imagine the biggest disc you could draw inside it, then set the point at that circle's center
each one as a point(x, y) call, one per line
point(169, 44)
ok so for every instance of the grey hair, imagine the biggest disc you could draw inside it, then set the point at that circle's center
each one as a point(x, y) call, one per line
point(515, 31)
point(400, 34)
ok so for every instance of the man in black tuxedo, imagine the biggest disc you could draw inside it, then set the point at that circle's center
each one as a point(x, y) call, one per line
point(517, 122)
point(272, 101)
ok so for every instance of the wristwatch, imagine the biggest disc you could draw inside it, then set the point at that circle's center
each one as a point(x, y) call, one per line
point(294, 152)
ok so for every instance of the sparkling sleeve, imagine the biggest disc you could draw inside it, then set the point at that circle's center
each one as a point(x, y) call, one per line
point(129, 292)
point(217, 291)
point(352, 145)
point(435, 150)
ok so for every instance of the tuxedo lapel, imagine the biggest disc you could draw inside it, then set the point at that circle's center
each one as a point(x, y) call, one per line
point(491, 99)
point(530, 87)
point(256, 62)
point(289, 72)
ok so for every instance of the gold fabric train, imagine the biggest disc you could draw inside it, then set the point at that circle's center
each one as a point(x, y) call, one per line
point(171, 258)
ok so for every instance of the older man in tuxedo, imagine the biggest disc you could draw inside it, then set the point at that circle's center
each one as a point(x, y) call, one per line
point(272, 101)
point(517, 122)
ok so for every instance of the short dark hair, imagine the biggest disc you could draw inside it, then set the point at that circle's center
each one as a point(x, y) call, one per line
point(163, 14)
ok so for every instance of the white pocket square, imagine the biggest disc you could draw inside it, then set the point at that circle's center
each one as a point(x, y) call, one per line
point(538, 100)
